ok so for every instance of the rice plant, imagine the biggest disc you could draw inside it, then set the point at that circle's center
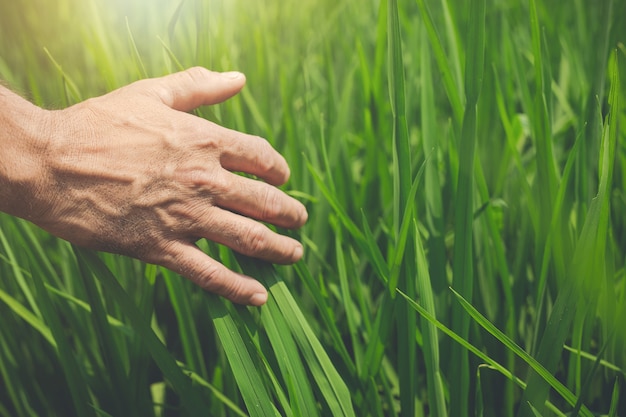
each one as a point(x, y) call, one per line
point(463, 165)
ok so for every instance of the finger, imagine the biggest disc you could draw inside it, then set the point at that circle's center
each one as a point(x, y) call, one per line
point(253, 155)
point(197, 86)
point(190, 262)
point(261, 201)
point(248, 237)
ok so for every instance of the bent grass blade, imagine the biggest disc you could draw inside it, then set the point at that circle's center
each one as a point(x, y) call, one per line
point(481, 320)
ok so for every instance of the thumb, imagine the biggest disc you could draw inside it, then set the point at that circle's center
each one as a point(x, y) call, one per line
point(197, 86)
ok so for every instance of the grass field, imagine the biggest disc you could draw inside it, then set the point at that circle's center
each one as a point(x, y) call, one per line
point(464, 168)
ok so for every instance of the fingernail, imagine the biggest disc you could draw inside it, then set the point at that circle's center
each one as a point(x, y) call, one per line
point(258, 299)
point(232, 74)
point(297, 253)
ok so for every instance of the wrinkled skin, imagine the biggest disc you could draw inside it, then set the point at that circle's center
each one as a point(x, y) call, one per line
point(133, 173)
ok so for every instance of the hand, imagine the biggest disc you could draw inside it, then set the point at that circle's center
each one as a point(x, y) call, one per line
point(132, 173)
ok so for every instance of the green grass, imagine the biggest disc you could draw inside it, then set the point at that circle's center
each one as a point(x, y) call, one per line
point(463, 164)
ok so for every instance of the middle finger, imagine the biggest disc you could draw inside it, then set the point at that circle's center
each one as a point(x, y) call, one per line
point(261, 201)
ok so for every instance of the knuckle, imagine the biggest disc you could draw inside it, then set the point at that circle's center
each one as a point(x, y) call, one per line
point(163, 253)
point(272, 205)
point(214, 278)
point(210, 137)
point(232, 290)
point(255, 239)
point(209, 277)
point(196, 74)
point(265, 157)
point(202, 181)
point(219, 184)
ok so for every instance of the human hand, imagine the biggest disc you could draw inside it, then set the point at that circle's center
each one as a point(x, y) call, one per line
point(132, 173)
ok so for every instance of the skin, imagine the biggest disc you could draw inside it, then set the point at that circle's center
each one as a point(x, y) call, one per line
point(133, 173)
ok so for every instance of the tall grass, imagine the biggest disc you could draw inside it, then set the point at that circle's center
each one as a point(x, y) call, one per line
point(463, 167)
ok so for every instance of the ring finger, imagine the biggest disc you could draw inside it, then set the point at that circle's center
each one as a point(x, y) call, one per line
point(248, 237)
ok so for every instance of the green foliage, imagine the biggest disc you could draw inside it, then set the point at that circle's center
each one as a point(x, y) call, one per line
point(474, 145)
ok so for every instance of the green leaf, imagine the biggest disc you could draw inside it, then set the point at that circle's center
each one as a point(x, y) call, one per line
point(545, 374)
point(329, 381)
point(191, 401)
point(238, 350)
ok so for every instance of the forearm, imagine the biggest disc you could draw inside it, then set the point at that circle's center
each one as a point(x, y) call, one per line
point(22, 148)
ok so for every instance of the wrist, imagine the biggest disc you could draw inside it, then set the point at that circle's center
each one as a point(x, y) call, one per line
point(23, 148)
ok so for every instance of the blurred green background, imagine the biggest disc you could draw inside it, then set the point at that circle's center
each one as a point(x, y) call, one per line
point(321, 78)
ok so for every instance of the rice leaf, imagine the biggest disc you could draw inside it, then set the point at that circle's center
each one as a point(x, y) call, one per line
point(614, 399)
point(545, 374)
point(447, 71)
point(250, 384)
point(19, 276)
point(181, 383)
point(179, 297)
point(432, 184)
point(34, 321)
point(289, 360)
point(586, 355)
point(141, 68)
point(113, 322)
point(463, 269)
point(327, 314)
point(329, 382)
point(111, 356)
point(592, 240)
point(436, 392)
point(74, 375)
point(216, 392)
point(72, 95)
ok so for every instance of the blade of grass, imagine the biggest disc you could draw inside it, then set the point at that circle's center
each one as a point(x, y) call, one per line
point(72, 95)
point(74, 376)
point(542, 372)
point(9, 371)
point(463, 269)
point(190, 399)
point(366, 244)
point(19, 276)
point(546, 181)
point(385, 314)
point(141, 68)
point(436, 392)
point(593, 358)
point(30, 318)
point(216, 392)
point(170, 54)
point(443, 63)
point(327, 314)
point(432, 184)
point(289, 360)
point(350, 310)
point(535, 411)
point(587, 262)
point(249, 382)
point(111, 357)
point(596, 75)
point(179, 297)
point(479, 353)
point(590, 376)
point(614, 399)
point(330, 383)
point(85, 306)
